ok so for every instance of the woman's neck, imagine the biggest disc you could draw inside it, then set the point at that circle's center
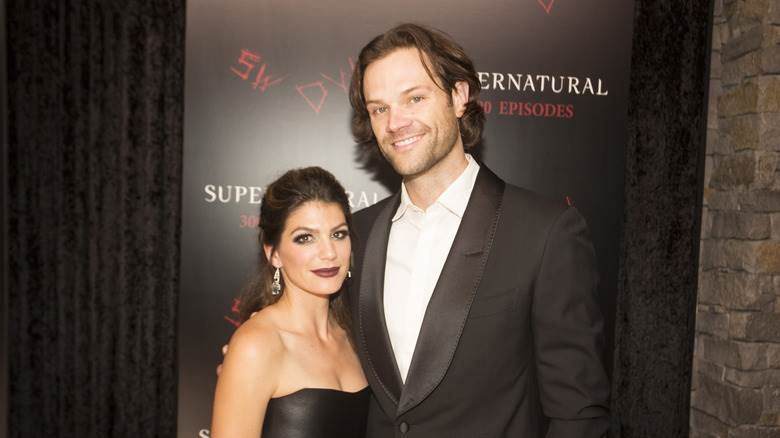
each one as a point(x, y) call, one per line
point(309, 313)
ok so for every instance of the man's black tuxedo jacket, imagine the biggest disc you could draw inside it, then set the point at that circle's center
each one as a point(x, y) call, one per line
point(511, 342)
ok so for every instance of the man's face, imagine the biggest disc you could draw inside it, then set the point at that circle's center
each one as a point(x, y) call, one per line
point(414, 121)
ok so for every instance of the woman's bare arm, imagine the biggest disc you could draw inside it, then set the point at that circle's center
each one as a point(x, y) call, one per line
point(247, 381)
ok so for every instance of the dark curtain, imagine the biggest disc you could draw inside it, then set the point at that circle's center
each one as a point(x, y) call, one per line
point(3, 231)
point(95, 149)
point(657, 284)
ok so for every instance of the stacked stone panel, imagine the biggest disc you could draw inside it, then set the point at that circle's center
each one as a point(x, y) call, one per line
point(736, 369)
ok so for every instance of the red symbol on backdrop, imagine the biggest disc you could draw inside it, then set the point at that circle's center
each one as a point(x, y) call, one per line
point(569, 202)
point(234, 310)
point(249, 60)
point(323, 94)
point(546, 5)
point(315, 93)
point(249, 67)
point(343, 83)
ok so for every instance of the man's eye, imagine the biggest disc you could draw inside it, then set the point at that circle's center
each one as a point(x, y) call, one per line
point(303, 238)
point(416, 99)
point(341, 234)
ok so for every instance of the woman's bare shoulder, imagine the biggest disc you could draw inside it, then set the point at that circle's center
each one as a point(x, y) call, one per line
point(257, 340)
point(248, 379)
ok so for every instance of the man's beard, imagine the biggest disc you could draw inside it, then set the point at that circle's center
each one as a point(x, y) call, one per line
point(427, 157)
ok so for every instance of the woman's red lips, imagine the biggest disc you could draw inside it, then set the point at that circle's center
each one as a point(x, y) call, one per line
point(326, 272)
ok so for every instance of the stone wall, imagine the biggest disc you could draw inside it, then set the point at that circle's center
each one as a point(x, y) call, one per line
point(736, 375)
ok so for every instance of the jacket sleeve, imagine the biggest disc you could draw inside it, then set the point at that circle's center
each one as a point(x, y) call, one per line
point(568, 333)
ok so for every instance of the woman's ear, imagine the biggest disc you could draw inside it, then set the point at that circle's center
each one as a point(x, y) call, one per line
point(272, 256)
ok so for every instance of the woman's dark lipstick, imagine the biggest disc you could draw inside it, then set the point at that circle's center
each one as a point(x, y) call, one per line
point(326, 272)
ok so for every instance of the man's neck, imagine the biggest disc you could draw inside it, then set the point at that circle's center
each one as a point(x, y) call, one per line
point(425, 189)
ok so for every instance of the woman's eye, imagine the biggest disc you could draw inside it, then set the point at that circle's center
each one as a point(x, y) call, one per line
point(416, 99)
point(303, 238)
point(379, 110)
point(341, 234)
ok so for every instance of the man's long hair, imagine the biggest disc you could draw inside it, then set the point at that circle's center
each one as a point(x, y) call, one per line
point(446, 63)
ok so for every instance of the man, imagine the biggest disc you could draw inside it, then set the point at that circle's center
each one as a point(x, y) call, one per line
point(474, 302)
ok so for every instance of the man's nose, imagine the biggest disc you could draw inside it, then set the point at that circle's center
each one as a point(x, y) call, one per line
point(397, 120)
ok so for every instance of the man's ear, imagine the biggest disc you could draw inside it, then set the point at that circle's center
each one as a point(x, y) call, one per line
point(460, 97)
point(272, 256)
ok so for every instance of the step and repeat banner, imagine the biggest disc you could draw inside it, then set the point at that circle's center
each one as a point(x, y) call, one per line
point(266, 91)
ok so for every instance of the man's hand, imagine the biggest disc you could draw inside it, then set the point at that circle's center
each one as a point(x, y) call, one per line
point(224, 352)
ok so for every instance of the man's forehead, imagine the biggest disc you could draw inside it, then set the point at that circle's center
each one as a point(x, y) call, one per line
point(407, 65)
point(402, 57)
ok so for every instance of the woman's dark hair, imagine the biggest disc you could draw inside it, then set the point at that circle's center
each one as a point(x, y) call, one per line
point(446, 63)
point(288, 193)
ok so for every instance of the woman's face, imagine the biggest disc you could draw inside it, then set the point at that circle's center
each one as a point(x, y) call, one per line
point(314, 249)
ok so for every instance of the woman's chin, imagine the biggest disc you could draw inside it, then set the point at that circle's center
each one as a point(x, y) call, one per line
point(327, 291)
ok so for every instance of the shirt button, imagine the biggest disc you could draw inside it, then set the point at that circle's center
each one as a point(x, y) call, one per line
point(403, 427)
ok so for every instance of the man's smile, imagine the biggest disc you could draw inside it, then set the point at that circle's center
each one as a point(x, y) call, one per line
point(407, 142)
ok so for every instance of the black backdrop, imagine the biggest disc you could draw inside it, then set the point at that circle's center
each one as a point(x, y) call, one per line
point(238, 136)
point(95, 135)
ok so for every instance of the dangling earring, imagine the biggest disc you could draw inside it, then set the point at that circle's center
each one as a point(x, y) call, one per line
point(349, 273)
point(276, 286)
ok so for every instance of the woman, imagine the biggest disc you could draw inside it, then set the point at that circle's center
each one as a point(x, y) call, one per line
point(291, 370)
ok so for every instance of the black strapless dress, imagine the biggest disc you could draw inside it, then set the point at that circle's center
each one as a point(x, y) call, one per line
point(317, 413)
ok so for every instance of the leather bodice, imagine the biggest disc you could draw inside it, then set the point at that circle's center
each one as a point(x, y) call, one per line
point(317, 413)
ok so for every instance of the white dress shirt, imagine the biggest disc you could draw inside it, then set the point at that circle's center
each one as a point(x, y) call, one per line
point(417, 249)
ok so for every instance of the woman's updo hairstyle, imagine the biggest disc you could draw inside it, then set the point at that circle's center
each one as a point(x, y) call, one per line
point(283, 196)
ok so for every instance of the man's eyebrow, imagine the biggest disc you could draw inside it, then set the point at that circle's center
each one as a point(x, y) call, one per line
point(375, 102)
point(405, 92)
point(415, 88)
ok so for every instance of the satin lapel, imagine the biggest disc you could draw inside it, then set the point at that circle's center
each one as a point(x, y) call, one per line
point(449, 306)
point(374, 337)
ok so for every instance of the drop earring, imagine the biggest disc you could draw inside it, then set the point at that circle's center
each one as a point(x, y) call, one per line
point(276, 286)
